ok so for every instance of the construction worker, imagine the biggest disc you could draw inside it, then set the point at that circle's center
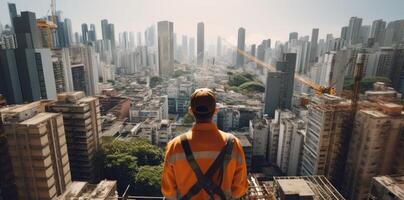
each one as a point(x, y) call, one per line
point(204, 163)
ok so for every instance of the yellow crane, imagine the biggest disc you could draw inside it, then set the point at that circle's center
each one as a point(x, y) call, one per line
point(319, 89)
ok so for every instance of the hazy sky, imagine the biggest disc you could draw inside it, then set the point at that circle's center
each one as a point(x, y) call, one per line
point(261, 18)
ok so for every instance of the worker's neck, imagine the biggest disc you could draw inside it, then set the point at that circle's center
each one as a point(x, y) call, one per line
point(204, 121)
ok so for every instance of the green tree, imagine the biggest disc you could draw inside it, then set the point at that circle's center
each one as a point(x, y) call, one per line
point(148, 181)
point(154, 81)
point(120, 160)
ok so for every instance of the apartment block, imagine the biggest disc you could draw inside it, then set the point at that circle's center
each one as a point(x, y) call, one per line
point(259, 132)
point(290, 144)
point(37, 149)
point(376, 148)
point(82, 119)
point(387, 188)
point(328, 117)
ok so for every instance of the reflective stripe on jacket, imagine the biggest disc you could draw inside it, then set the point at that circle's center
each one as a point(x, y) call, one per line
point(206, 141)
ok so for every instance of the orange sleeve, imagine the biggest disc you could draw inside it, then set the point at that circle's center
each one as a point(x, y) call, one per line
point(168, 184)
point(240, 184)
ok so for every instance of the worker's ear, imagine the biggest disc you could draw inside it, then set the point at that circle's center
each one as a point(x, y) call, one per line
point(190, 111)
point(217, 110)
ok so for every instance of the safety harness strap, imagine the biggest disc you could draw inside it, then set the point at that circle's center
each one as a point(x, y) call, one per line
point(204, 180)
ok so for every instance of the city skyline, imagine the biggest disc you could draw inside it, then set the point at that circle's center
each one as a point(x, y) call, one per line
point(221, 18)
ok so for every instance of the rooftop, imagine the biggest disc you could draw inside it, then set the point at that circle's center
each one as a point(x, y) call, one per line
point(39, 118)
point(395, 184)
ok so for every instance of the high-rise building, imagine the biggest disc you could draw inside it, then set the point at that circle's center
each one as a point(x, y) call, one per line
point(68, 30)
point(34, 69)
point(290, 143)
point(85, 55)
point(200, 43)
point(92, 35)
point(253, 49)
point(376, 148)
point(313, 45)
point(184, 48)
point(377, 32)
point(293, 36)
point(326, 130)
point(84, 32)
point(240, 46)
point(364, 33)
point(279, 85)
point(104, 29)
point(12, 10)
point(38, 150)
point(219, 47)
point(344, 32)
point(353, 31)
point(82, 120)
point(387, 187)
point(165, 36)
point(192, 50)
point(394, 33)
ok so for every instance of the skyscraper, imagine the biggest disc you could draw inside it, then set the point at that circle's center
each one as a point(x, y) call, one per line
point(377, 32)
point(240, 46)
point(104, 29)
point(200, 43)
point(82, 119)
point(184, 48)
point(68, 32)
point(192, 50)
point(34, 68)
point(293, 36)
point(12, 10)
point(165, 36)
point(84, 33)
point(279, 85)
point(394, 33)
point(219, 47)
point(313, 45)
point(353, 31)
point(38, 150)
point(253, 49)
point(344, 32)
point(92, 35)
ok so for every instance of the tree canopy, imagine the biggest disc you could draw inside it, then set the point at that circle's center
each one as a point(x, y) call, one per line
point(122, 160)
point(154, 81)
point(148, 180)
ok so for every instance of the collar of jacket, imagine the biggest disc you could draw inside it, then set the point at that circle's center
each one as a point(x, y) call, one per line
point(204, 126)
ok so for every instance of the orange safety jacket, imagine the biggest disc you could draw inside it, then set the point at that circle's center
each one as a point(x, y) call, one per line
point(206, 142)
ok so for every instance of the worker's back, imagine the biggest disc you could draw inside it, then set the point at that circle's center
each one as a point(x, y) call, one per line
point(206, 142)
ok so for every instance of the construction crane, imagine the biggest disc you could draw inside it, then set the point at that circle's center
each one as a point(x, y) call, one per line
point(48, 26)
point(319, 89)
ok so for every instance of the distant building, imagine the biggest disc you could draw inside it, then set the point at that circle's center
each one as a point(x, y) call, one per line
point(279, 85)
point(240, 46)
point(82, 119)
point(38, 150)
point(387, 188)
point(394, 33)
point(314, 45)
point(219, 48)
point(165, 31)
point(378, 30)
point(191, 50)
point(353, 31)
point(293, 36)
point(200, 43)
